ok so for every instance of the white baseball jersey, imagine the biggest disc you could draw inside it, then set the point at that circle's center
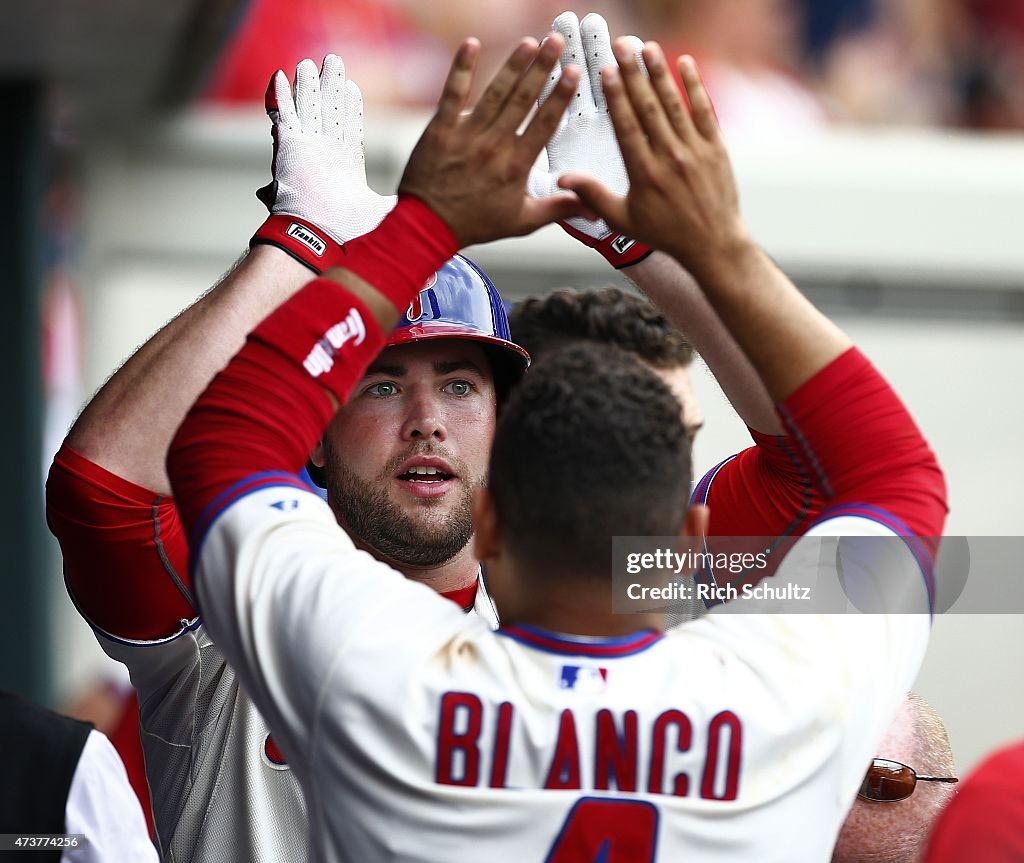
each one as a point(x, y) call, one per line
point(419, 734)
point(221, 790)
point(102, 807)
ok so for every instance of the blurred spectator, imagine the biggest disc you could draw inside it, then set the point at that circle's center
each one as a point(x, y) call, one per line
point(63, 777)
point(749, 53)
point(398, 50)
point(895, 831)
point(390, 59)
point(498, 24)
point(826, 21)
point(920, 62)
point(985, 821)
point(777, 69)
point(992, 68)
point(893, 63)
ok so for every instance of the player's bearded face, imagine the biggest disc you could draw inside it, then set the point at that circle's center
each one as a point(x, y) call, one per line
point(403, 457)
point(426, 537)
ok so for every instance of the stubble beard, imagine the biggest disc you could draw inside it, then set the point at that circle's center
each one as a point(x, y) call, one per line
point(373, 520)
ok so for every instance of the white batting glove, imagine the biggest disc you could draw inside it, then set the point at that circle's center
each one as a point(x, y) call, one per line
point(586, 141)
point(318, 198)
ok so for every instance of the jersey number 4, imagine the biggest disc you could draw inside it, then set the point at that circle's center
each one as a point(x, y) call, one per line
point(600, 830)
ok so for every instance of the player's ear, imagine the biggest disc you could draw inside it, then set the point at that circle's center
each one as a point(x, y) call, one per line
point(486, 530)
point(696, 521)
point(317, 456)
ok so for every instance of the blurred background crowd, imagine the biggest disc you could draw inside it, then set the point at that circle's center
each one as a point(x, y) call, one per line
point(773, 66)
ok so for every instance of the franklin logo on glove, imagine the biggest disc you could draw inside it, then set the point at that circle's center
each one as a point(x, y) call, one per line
point(621, 244)
point(307, 237)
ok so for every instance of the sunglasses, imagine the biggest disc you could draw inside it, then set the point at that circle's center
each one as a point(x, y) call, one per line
point(888, 781)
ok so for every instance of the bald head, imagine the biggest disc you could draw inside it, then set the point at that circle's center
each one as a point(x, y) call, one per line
point(896, 832)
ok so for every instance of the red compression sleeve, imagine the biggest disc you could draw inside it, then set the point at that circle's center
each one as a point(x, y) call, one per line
point(392, 257)
point(264, 412)
point(765, 490)
point(858, 441)
point(125, 555)
point(763, 494)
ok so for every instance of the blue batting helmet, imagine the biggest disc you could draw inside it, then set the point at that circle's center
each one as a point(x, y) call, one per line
point(459, 302)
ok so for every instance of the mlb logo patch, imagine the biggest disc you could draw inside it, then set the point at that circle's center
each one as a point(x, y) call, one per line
point(583, 678)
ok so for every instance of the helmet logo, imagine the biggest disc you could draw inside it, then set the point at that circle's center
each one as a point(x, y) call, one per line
point(424, 303)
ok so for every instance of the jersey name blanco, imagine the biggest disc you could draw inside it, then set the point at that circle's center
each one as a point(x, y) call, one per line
point(421, 735)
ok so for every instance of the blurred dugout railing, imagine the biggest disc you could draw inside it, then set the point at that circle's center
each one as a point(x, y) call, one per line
point(915, 221)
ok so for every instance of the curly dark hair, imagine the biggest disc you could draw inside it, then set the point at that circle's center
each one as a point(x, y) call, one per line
point(589, 446)
point(609, 316)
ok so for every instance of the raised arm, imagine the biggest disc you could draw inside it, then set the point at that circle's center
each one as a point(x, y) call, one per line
point(682, 198)
point(585, 141)
point(125, 556)
point(676, 292)
point(319, 182)
point(128, 425)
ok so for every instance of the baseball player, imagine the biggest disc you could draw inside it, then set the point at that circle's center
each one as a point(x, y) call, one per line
point(62, 776)
point(571, 733)
point(610, 316)
point(220, 786)
point(613, 317)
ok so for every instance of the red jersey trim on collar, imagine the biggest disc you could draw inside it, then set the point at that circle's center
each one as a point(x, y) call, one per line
point(464, 597)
